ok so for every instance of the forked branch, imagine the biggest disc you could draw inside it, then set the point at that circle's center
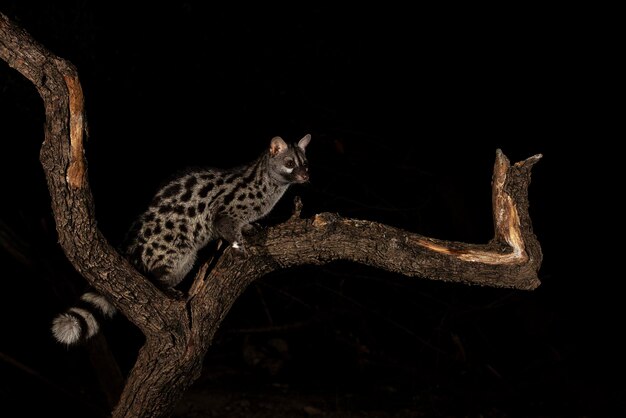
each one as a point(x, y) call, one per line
point(178, 333)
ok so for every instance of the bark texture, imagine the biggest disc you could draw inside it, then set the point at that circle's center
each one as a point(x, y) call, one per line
point(178, 332)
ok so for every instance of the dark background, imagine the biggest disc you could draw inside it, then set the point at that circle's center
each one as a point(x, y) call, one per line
point(406, 107)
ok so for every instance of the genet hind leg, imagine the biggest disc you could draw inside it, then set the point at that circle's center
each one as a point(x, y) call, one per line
point(172, 269)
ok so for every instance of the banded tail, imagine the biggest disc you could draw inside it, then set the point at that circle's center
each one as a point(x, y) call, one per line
point(81, 322)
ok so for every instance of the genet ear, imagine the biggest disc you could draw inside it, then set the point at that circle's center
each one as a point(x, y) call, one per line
point(304, 141)
point(277, 146)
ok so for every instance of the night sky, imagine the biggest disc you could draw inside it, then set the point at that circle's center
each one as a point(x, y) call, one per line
point(406, 108)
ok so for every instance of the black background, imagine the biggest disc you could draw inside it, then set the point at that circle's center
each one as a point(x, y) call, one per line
point(406, 108)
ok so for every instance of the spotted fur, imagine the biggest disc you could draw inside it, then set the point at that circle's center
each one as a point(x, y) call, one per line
point(193, 209)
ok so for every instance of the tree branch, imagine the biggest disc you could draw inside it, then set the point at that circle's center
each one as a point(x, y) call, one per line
point(65, 167)
point(178, 333)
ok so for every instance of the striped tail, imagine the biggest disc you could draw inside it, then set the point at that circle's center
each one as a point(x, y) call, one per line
point(80, 322)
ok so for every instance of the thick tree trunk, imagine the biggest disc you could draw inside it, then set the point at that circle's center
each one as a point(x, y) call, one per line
point(178, 332)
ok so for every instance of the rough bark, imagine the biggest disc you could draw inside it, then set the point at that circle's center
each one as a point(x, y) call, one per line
point(178, 332)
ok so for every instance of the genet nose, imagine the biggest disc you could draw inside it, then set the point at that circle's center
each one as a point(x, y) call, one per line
point(303, 175)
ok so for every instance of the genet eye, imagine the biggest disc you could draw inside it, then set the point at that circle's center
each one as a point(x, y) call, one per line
point(290, 164)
